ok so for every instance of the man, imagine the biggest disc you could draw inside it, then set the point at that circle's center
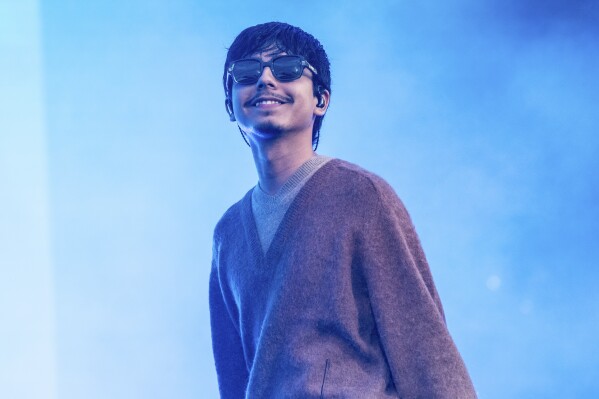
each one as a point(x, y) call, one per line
point(319, 287)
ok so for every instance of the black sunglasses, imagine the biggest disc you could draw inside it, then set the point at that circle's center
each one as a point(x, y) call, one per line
point(285, 68)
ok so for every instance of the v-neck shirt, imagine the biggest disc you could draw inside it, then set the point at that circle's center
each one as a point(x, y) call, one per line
point(269, 210)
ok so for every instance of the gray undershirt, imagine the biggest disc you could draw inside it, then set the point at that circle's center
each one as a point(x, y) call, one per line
point(270, 209)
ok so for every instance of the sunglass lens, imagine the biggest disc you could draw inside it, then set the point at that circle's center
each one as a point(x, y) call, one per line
point(287, 68)
point(246, 71)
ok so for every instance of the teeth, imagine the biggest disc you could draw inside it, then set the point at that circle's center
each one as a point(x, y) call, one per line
point(267, 102)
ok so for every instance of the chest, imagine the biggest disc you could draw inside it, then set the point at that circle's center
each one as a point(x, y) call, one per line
point(311, 268)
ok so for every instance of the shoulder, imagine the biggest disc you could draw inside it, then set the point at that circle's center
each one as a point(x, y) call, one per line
point(361, 183)
point(361, 192)
point(232, 217)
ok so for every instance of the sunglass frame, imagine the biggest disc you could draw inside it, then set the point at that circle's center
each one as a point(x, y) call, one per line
point(263, 64)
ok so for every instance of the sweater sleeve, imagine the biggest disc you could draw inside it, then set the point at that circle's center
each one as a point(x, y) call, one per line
point(422, 356)
point(228, 351)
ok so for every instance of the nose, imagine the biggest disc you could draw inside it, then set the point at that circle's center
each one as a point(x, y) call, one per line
point(266, 78)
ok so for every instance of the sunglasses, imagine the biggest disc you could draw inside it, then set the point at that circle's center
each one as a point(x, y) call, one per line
point(285, 68)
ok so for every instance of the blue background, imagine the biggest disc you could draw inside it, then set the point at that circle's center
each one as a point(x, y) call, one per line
point(117, 159)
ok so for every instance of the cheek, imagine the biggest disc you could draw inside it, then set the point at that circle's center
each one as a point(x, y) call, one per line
point(238, 97)
point(308, 102)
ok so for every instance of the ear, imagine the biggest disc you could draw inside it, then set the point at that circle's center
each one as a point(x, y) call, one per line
point(229, 108)
point(323, 97)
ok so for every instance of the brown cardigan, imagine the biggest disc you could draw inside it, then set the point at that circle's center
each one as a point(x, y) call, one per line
point(342, 305)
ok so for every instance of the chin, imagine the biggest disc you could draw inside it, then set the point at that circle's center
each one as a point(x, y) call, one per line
point(268, 129)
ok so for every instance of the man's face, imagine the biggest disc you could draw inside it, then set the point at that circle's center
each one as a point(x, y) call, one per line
point(270, 108)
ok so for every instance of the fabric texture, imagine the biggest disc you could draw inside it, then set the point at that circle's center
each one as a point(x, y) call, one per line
point(341, 305)
point(269, 209)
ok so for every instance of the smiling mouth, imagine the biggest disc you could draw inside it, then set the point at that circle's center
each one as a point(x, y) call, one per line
point(268, 99)
point(266, 102)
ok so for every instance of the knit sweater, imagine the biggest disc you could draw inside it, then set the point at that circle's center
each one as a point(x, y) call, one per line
point(342, 305)
point(269, 209)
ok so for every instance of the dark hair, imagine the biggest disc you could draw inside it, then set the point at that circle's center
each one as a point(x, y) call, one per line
point(286, 38)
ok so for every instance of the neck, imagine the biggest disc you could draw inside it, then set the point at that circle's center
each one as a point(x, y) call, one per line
point(277, 160)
